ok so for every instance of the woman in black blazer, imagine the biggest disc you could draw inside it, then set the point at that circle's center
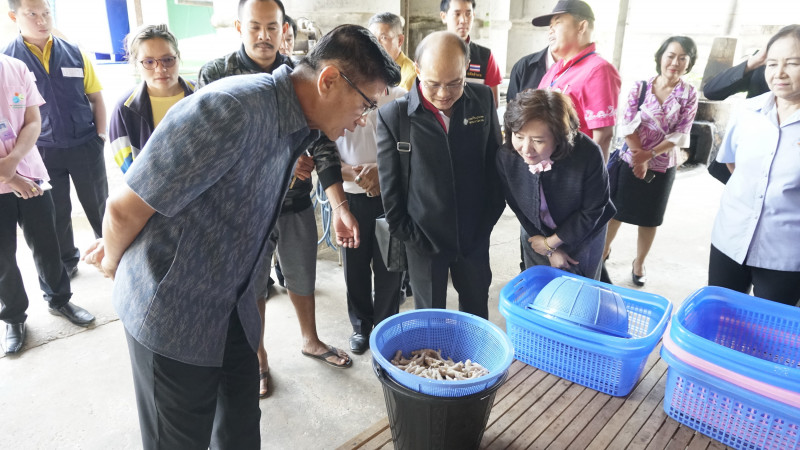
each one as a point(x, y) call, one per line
point(555, 180)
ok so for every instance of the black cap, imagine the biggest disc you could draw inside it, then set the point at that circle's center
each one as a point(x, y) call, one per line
point(565, 7)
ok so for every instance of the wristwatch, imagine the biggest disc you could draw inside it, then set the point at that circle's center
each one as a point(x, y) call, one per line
point(550, 250)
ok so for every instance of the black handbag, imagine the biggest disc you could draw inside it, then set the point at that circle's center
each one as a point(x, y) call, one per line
point(615, 161)
point(393, 250)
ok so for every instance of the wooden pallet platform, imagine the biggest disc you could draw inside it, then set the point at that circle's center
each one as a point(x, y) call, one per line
point(538, 410)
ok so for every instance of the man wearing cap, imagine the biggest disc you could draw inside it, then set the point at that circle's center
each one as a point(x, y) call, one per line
point(482, 68)
point(591, 82)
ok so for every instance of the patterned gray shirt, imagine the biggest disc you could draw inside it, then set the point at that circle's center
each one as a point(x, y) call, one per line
point(215, 170)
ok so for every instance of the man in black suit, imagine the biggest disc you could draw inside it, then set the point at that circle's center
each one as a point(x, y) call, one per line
point(453, 196)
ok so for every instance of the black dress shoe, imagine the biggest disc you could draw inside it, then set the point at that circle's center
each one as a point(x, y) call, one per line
point(638, 280)
point(15, 337)
point(74, 314)
point(359, 343)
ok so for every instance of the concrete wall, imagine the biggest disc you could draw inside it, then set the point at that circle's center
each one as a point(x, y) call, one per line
point(326, 13)
point(752, 23)
point(502, 25)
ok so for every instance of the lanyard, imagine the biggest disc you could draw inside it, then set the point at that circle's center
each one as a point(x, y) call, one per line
point(552, 83)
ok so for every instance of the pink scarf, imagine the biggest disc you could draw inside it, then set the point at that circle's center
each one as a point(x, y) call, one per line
point(543, 166)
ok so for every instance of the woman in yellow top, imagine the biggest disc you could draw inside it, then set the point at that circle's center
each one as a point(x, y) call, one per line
point(153, 51)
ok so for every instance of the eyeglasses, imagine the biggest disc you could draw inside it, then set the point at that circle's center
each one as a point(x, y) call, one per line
point(452, 87)
point(152, 63)
point(367, 109)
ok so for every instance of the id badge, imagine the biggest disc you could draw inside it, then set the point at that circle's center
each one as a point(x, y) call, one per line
point(6, 132)
point(72, 72)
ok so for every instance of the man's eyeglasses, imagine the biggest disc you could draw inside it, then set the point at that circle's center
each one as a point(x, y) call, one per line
point(367, 109)
point(152, 63)
point(452, 87)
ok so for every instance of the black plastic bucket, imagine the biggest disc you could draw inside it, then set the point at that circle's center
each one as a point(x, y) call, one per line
point(420, 421)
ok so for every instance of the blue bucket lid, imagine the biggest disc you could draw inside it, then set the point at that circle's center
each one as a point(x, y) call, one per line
point(584, 304)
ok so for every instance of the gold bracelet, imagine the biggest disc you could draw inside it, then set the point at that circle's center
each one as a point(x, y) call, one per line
point(340, 204)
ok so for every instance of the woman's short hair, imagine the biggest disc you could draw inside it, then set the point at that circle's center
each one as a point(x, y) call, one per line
point(789, 30)
point(686, 43)
point(553, 108)
point(145, 33)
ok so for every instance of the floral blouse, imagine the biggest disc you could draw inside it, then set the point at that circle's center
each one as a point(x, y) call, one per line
point(656, 122)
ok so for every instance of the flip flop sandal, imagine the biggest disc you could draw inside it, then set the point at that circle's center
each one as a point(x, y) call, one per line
point(332, 351)
point(262, 376)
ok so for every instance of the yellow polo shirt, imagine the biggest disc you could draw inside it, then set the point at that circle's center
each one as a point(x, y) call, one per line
point(407, 71)
point(90, 82)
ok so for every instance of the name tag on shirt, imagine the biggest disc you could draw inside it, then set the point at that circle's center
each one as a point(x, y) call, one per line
point(74, 72)
point(6, 132)
point(474, 119)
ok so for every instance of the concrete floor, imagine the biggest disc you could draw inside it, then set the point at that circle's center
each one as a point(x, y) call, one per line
point(71, 387)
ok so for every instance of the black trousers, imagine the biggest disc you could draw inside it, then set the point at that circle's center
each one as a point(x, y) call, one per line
point(776, 285)
point(183, 406)
point(85, 165)
point(364, 262)
point(35, 217)
point(470, 273)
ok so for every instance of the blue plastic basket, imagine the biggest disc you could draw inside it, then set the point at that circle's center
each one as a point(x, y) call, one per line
point(727, 412)
point(603, 362)
point(756, 339)
point(459, 335)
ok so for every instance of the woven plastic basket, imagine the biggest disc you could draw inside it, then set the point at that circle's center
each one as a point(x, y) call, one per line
point(458, 335)
point(603, 362)
point(727, 412)
point(755, 337)
point(733, 369)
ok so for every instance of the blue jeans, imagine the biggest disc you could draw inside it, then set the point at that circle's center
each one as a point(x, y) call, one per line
point(35, 217)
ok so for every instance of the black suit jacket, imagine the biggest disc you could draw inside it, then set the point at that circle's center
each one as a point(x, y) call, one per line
point(527, 73)
point(576, 190)
point(733, 80)
point(427, 216)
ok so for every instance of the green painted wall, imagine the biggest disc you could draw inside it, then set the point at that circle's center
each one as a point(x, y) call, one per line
point(188, 21)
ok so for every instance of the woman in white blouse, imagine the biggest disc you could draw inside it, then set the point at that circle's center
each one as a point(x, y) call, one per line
point(756, 236)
